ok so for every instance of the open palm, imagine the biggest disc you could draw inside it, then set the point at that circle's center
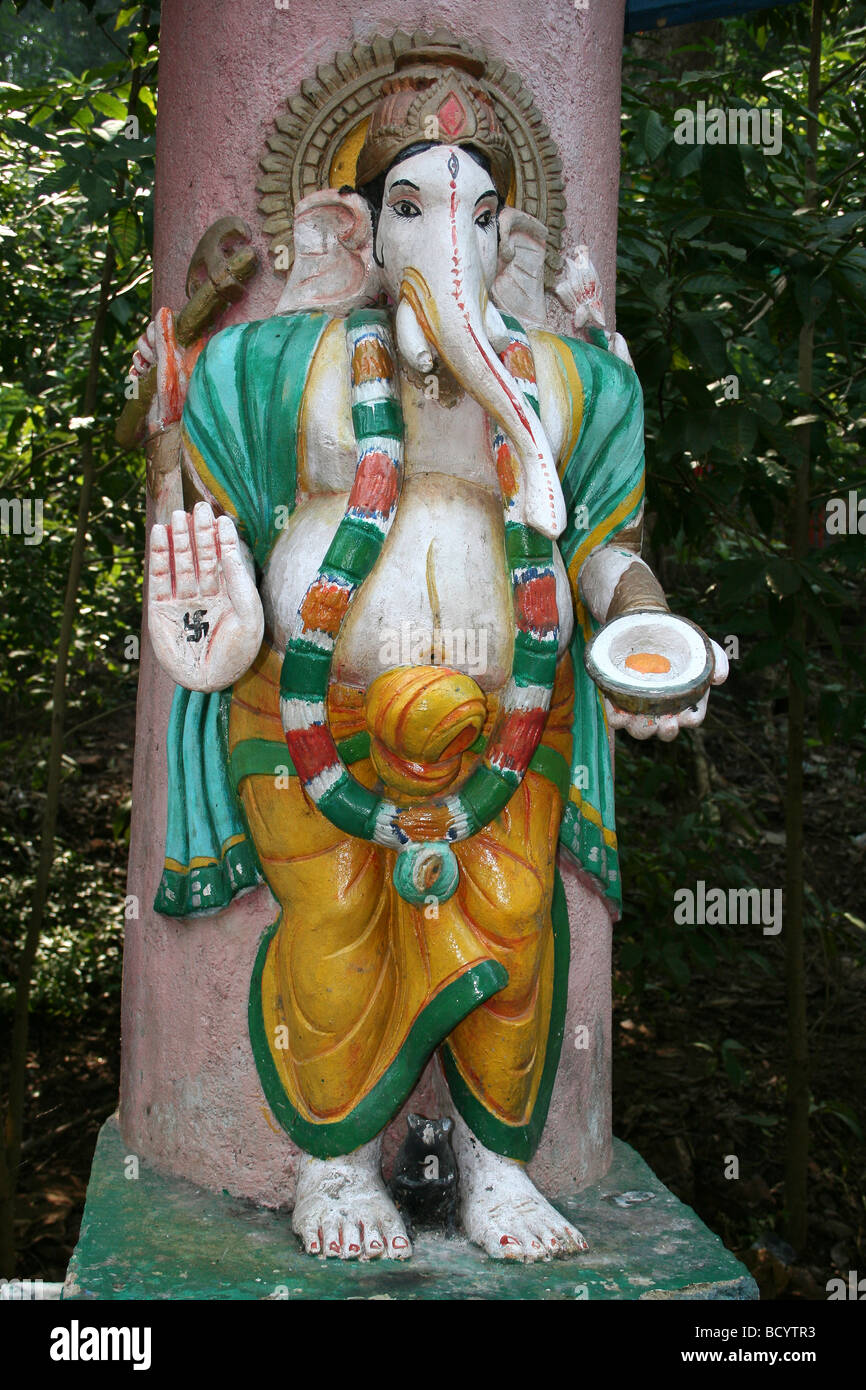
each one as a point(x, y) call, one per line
point(204, 612)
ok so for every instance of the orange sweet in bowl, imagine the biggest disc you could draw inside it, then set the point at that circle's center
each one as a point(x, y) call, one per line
point(648, 663)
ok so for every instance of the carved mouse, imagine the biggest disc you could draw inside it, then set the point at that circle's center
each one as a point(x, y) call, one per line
point(424, 1181)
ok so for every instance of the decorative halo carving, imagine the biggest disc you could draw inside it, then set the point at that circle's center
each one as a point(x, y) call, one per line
point(317, 139)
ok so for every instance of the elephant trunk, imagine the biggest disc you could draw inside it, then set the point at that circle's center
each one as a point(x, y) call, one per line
point(457, 322)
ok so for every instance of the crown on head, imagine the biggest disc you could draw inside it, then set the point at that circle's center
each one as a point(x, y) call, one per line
point(436, 94)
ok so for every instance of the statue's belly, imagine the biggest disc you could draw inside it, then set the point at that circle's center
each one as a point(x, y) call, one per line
point(439, 593)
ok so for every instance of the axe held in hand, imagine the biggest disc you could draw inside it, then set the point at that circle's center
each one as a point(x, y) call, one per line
point(221, 264)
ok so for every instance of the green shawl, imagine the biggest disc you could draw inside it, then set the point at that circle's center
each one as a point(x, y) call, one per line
point(241, 425)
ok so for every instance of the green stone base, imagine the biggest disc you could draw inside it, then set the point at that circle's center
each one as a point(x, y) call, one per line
point(158, 1237)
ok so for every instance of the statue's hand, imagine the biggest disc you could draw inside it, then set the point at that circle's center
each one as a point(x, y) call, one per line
point(667, 726)
point(158, 347)
point(204, 613)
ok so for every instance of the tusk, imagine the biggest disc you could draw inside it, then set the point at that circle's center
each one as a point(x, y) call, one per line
point(410, 339)
point(543, 502)
point(494, 327)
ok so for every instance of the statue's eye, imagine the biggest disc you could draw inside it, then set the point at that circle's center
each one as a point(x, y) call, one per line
point(406, 209)
point(485, 220)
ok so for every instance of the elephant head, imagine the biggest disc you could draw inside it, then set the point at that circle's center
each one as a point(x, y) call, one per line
point(432, 234)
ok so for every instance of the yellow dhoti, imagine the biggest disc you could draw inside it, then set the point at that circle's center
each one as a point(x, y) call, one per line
point(354, 987)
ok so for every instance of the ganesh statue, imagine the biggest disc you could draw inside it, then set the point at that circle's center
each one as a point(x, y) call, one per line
point(405, 610)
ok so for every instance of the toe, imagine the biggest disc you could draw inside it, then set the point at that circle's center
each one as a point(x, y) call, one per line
point(564, 1244)
point(571, 1242)
point(555, 1242)
point(532, 1237)
point(373, 1242)
point(574, 1239)
point(538, 1246)
point(580, 1241)
point(397, 1246)
point(350, 1241)
point(509, 1246)
point(331, 1246)
point(312, 1239)
point(305, 1227)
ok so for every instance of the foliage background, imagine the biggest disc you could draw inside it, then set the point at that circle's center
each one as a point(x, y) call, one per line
point(74, 183)
point(721, 263)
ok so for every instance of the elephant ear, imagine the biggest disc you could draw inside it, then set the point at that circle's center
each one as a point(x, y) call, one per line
point(519, 285)
point(333, 268)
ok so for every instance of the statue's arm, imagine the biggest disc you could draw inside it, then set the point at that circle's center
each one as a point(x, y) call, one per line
point(204, 613)
point(614, 580)
point(614, 576)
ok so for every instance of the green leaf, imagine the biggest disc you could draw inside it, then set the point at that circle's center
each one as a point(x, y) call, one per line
point(652, 132)
point(108, 105)
point(126, 16)
point(759, 960)
point(18, 130)
point(783, 577)
point(841, 225)
point(630, 954)
point(740, 579)
point(829, 715)
point(687, 160)
point(705, 283)
point(14, 431)
point(812, 295)
point(767, 653)
point(58, 181)
point(763, 509)
point(703, 342)
point(122, 310)
point(723, 178)
point(843, 1111)
point(125, 232)
point(684, 231)
point(702, 948)
point(675, 962)
point(99, 194)
point(689, 431)
point(737, 427)
point(781, 613)
point(724, 248)
point(730, 1048)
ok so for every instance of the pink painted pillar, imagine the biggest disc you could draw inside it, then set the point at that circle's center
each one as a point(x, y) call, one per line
point(190, 1096)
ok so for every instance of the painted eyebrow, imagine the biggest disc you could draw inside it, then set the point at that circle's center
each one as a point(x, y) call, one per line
point(404, 183)
point(491, 193)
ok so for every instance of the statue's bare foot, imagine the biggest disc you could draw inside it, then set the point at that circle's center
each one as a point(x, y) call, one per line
point(502, 1211)
point(343, 1210)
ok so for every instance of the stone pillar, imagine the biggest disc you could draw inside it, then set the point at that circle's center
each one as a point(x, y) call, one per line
point(190, 1096)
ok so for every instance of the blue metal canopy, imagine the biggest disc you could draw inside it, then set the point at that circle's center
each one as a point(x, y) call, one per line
point(655, 14)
